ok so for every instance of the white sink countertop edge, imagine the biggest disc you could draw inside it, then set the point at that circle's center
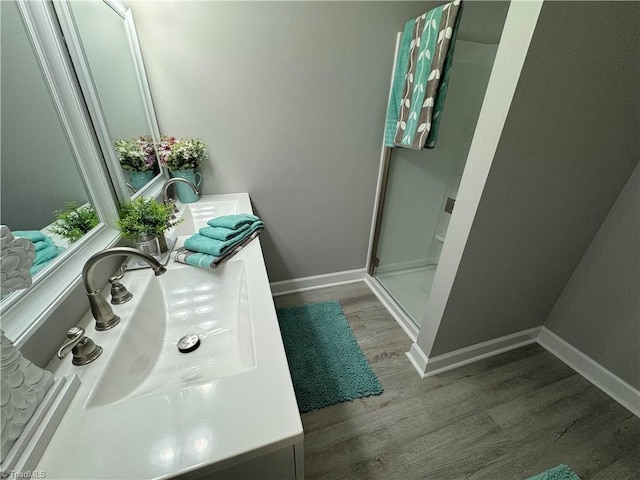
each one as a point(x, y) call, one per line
point(216, 425)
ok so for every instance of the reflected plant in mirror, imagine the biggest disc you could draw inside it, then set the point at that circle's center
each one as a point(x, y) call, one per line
point(138, 158)
point(74, 221)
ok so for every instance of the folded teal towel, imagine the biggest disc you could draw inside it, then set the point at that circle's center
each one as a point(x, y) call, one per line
point(44, 256)
point(210, 246)
point(42, 244)
point(203, 260)
point(33, 235)
point(221, 233)
point(233, 222)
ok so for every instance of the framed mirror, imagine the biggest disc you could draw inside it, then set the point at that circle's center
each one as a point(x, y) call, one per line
point(58, 146)
point(104, 47)
point(40, 173)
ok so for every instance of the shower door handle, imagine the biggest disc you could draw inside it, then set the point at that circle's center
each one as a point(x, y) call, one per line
point(448, 206)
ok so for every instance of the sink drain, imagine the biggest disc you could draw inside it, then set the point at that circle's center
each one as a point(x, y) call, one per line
point(188, 343)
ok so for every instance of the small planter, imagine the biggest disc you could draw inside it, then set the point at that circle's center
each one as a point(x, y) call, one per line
point(185, 192)
point(148, 245)
point(140, 179)
point(144, 221)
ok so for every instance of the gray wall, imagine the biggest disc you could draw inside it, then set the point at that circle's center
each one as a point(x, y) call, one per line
point(570, 142)
point(291, 99)
point(598, 311)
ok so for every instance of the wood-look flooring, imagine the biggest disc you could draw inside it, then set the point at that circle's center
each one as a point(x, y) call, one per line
point(508, 417)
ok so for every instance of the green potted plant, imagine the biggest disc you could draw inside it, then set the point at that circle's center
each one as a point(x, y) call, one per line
point(138, 157)
point(144, 219)
point(182, 157)
point(73, 221)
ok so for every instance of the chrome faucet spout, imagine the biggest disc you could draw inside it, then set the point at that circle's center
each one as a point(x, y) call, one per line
point(168, 183)
point(100, 309)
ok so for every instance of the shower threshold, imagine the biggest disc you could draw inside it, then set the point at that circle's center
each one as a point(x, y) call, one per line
point(409, 289)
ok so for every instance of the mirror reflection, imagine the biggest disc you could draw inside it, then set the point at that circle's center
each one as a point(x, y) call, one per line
point(105, 43)
point(43, 197)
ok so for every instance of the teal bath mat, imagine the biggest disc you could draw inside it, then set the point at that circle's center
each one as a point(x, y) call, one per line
point(561, 472)
point(326, 363)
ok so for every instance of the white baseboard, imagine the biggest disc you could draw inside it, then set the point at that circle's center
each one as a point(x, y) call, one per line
point(473, 353)
point(396, 312)
point(623, 393)
point(619, 390)
point(317, 281)
point(418, 359)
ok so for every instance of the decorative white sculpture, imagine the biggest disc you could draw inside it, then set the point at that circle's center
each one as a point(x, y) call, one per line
point(22, 388)
point(16, 258)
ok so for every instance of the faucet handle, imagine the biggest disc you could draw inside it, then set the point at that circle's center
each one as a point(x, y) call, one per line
point(75, 334)
point(83, 348)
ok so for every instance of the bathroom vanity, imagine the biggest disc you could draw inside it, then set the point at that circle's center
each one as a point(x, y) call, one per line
point(146, 410)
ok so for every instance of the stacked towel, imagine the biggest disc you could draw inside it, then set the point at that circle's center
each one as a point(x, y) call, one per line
point(220, 240)
point(44, 247)
point(422, 71)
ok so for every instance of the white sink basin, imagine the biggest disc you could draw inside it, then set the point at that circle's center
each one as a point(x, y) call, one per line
point(197, 214)
point(175, 414)
point(214, 304)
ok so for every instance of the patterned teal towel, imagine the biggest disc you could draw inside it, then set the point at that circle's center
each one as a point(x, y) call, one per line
point(561, 472)
point(424, 78)
point(209, 261)
point(395, 98)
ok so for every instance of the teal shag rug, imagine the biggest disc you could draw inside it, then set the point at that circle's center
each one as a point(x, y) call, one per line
point(561, 472)
point(325, 361)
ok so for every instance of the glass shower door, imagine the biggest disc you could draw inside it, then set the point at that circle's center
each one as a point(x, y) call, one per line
point(422, 186)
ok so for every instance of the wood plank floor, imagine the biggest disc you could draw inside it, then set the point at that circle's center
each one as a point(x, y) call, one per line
point(507, 417)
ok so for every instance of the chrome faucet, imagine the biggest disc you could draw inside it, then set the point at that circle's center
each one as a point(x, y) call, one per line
point(100, 309)
point(167, 184)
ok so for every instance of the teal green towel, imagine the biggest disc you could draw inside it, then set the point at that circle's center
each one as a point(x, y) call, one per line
point(33, 235)
point(201, 244)
point(43, 257)
point(224, 234)
point(41, 245)
point(203, 260)
point(233, 222)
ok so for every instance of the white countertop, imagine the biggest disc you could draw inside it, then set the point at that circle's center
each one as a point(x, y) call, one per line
point(222, 422)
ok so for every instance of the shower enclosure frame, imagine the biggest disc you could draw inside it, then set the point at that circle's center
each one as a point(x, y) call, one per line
point(514, 44)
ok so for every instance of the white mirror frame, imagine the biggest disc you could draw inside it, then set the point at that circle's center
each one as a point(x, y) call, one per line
point(25, 311)
point(76, 50)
